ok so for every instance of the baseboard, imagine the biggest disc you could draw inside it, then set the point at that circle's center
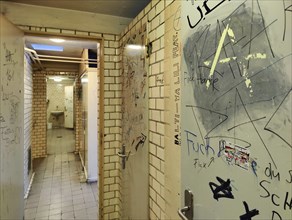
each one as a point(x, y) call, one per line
point(83, 165)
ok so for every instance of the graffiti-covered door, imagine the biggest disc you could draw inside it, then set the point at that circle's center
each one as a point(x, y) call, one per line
point(236, 108)
point(134, 154)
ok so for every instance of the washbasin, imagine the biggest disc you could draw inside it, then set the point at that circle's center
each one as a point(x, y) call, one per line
point(57, 113)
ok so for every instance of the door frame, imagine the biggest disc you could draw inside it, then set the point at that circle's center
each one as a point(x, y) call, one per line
point(99, 40)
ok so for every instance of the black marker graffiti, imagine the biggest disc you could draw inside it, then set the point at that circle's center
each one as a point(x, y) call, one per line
point(160, 80)
point(200, 47)
point(255, 128)
point(177, 140)
point(141, 140)
point(176, 88)
point(235, 126)
point(207, 9)
point(177, 18)
point(286, 9)
point(266, 33)
point(275, 198)
point(221, 118)
point(202, 164)
point(221, 191)
point(189, 21)
point(278, 215)
point(249, 214)
point(8, 54)
point(10, 135)
point(290, 175)
point(236, 72)
point(270, 173)
point(175, 44)
point(277, 131)
point(134, 92)
point(9, 75)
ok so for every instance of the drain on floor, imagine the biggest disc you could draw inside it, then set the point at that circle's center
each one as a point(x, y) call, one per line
point(59, 136)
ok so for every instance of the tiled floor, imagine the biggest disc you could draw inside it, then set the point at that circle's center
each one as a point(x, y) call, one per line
point(60, 140)
point(57, 192)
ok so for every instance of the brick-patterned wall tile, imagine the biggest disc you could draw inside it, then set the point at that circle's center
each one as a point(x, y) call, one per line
point(28, 92)
point(39, 139)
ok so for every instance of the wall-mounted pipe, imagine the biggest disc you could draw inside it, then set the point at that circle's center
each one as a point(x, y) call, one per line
point(68, 58)
point(66, 61)
point(29, 186)
point(36, 57)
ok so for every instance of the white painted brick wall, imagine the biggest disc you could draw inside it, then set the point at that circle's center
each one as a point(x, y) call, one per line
point(27, 117)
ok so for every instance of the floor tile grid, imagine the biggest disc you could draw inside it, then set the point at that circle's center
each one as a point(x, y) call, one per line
point(57, 192)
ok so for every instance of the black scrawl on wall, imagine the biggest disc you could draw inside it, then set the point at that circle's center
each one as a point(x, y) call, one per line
point(247, 69)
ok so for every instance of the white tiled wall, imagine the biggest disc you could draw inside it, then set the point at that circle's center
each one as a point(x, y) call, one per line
point(56, 97)
point(27, 117)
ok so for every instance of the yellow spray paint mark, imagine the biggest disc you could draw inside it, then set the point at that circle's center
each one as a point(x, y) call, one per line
point(248, 83)
point(247, 80)
point(208, 83)
point(216, 58)
point(231, 35)
point(256, 56)
point(228, 59)
point(207, 62)
point(244, 70)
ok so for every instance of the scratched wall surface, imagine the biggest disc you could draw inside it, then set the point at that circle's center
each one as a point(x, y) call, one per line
point(135, 127)
point(11, 121)
point(236, 108)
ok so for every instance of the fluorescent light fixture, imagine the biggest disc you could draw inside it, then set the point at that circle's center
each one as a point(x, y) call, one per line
point(57, 40)
point(58, 79)
point(47, 47)
point(84, 80)
point(135, 47)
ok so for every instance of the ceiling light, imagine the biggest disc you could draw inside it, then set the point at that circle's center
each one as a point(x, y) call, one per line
point(135, 47)
point(57, 40)
point(58, 79)
point(84, 80)
point(47, 47)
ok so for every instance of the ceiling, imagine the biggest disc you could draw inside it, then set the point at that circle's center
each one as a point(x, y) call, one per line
point(71, 48)
point(74, 48)
point(122, 8)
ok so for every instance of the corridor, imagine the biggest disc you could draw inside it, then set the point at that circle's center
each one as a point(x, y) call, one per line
point(57, 192)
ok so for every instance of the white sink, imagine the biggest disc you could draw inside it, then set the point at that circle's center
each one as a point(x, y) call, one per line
point(57, 113)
